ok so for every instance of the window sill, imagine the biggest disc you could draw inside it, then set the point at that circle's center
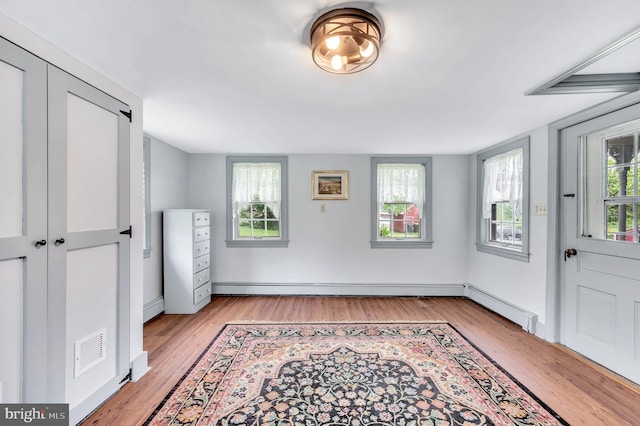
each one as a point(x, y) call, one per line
point(508, 253)
point(257, 243)
point(401, 244)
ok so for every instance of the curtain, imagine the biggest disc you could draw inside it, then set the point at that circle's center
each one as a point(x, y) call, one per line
point(503, 182)
point(257, 182)
point(401, 182)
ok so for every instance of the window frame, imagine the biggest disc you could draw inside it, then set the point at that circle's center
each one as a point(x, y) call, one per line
point(426, 242)
point(482, 225)
point(283, 240)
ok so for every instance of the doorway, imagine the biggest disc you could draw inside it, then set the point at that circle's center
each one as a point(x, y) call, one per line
point(599, 225)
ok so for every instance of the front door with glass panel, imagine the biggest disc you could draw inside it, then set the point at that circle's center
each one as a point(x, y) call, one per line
point(601, 241)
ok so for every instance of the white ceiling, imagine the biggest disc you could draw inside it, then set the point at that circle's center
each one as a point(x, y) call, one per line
point(236, 76)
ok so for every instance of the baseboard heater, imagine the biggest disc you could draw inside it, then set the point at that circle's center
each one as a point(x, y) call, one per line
point(525, 319)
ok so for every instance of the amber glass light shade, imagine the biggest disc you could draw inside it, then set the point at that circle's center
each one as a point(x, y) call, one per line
point(345, 41)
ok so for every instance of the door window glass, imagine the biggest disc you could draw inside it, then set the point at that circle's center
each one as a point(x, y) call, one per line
point(610, 195)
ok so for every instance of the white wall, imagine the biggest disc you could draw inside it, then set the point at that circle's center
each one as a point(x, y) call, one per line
point(168, 180)
point(519, 283)
point(332, 248)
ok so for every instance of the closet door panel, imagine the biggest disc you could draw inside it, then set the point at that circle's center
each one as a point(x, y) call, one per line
point(91, 273)
point(92, 166)
point(89, 255)
point(23, 222)
point(11, 151)
point(12, 273)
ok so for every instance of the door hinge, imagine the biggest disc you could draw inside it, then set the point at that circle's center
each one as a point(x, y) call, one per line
point(126, 378)
point(128, 114)
point(127, 232)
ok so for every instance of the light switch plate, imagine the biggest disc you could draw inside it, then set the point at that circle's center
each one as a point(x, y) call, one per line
point(541, 209)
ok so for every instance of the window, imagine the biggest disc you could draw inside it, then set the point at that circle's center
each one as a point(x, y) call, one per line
point(257, 202)
point(146, 194)
point(401, 202)
point(503, 194)
point(610, 187)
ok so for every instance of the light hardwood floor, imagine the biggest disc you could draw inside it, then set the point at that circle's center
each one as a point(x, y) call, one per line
point(581, 392)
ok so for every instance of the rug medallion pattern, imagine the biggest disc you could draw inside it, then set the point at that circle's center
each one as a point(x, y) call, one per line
point(348, 375)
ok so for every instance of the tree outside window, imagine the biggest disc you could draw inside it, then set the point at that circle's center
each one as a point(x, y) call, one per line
point(257, 194)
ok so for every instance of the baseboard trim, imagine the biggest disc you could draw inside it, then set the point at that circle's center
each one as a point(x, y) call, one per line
point(153, 308)
point(337, 289)
point(91, 403)
point(541, 330)
point(525, 319)
point(140, 366)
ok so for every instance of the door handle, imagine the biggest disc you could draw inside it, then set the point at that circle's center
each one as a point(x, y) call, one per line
point(40, 243)
point(58, 242)
point(569, 252)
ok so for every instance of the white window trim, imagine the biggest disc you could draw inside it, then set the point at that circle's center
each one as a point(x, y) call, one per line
point(426, 242)
point(283, 241)
point(146, 156)
point(482, 243)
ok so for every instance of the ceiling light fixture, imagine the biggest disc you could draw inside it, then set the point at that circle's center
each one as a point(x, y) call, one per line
point(345, 41)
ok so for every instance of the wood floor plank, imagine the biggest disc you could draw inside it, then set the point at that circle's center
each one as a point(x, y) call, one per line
point(581, 392)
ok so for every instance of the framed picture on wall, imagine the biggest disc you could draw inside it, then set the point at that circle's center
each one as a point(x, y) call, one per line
point(330, 185)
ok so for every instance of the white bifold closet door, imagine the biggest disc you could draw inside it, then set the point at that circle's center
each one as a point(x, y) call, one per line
point(23, 225)
point(89, 257)
point(64, 237)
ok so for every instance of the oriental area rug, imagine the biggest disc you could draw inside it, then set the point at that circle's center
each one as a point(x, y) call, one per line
point(347, 374)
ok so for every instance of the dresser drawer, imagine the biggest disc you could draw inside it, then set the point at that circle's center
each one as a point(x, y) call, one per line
point(200, 263)
point(201, 293)
point(201, 233)
point(201, 219)
point(201, 248)
point(200, 278)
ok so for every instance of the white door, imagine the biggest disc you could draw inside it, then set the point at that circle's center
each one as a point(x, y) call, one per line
point(601, 223)
point(23, 225)
point(88, 254)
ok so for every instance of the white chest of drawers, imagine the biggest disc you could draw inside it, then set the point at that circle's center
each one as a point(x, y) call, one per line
point(187, 260)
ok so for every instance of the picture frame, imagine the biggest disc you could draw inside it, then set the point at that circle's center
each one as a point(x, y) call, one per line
point(330, 185)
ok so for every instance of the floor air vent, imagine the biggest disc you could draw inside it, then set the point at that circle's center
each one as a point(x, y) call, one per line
point(90, 351)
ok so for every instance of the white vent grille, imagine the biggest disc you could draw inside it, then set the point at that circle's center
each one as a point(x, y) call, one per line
point(90, 351)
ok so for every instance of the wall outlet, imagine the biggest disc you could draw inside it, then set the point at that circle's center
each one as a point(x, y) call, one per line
point(323, 208)
point(541, 209)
